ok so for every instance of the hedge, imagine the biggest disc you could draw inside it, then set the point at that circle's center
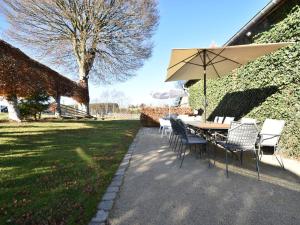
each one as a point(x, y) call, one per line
point(265, 88)
point(150, 115)
point(22, 76)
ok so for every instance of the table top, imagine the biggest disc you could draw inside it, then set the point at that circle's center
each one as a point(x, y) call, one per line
point(209, 125)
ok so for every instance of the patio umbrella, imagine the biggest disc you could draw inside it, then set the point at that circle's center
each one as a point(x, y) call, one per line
point(169, 94)
point(214, 62)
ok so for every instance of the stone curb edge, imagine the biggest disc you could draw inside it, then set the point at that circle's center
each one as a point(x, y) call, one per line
point(112, 191)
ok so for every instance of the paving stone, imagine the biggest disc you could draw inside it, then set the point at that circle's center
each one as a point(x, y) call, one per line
point(106, 205)
point(125, 161)
point(118, 178)
point(124, 166)
point(109, 196)
point(100, 217)
point(96, 223)
point(116, 183)
point(120, 171)
point(112, 189)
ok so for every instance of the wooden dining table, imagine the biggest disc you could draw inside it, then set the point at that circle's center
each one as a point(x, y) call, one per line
point(208, 125)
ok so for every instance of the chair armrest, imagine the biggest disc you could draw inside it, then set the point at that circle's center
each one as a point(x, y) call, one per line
point(219, 135)
point(263, 139)
point(274, 135)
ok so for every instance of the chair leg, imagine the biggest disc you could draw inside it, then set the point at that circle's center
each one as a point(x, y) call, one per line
point(175, 143)
point(180, 150)
point(170, 138)
point(200, 152)
point(257, 165)
point(279, 161)
point(183, 157)
point(172, 144)
point(208, 155)
point(215, 155)
point(241, 156)
point(226, 163)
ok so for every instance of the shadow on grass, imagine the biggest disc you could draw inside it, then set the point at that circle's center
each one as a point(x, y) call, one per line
point(56, 172)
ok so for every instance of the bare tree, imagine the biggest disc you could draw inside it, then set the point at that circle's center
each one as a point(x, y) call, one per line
point(106, 40)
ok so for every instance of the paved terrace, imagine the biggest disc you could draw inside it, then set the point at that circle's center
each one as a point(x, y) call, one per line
point(156, 191)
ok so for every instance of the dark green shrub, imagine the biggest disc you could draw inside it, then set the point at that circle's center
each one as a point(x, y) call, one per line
point(268, 87)
point(34, 105)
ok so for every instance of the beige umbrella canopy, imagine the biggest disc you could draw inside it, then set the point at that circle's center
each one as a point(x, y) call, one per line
point(197, 63)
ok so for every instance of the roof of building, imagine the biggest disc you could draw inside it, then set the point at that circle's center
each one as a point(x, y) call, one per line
point(258, 18)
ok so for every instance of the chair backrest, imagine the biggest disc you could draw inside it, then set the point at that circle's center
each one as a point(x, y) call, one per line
point(198, 118)
point(174, 126)
point(248, 120)
point(174, 116)
point(228, 120)
point(216, 119)
point(182, 129)
point(220, 120)
point(271, 132)
point(161, 121)
point(242, 136)
point(182, 116)
point(164, 122)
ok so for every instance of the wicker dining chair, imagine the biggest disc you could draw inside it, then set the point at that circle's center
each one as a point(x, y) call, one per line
point(241, 137)
point(270, 135)
point(175, 135)
point(188, 140)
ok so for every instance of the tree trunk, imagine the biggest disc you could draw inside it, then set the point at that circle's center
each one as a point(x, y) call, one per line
point(84, 82)
point(58, 107)
point(13, 110)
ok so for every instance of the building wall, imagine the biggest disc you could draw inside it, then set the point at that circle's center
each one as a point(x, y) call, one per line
point(266, 22)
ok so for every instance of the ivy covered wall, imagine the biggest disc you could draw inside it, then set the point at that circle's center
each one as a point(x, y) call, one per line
point(268, 87)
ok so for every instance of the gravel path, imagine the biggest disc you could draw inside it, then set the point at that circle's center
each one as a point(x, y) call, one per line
point(156, 191)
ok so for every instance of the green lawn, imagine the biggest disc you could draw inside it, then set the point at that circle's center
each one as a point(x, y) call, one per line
point(3, 116)
point(56, 172)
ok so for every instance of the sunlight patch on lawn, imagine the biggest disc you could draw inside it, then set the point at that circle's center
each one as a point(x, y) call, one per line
point(85, 157)
point(14, 154)
point(6, 169)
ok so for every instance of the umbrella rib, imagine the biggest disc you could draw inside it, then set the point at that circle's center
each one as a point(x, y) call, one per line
point(223, 57)
point(214, 67)
point(194, 64)
point(216, 55)
point(200, 56)
point(222, 60)
point(183, 60)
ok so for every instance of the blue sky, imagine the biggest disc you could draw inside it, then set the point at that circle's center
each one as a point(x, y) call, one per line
point(183, 24)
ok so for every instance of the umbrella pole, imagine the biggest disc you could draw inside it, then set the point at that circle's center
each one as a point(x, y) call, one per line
point(169, 105)
point(204, 82)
